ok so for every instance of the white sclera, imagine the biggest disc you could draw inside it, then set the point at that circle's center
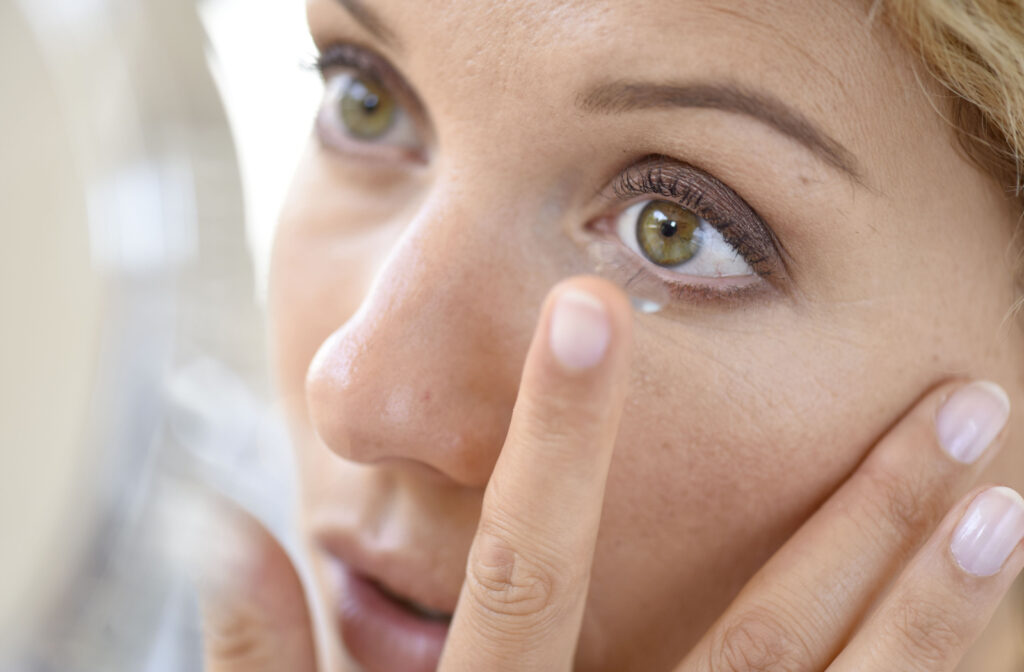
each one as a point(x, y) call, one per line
point(715, 258)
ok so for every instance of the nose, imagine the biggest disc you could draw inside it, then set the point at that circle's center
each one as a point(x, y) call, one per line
point(427, 369)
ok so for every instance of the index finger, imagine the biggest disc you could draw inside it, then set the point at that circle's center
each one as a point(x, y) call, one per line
point(526, 582)
point(802, 606)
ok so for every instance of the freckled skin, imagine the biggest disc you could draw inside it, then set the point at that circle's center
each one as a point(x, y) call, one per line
point(741, 418)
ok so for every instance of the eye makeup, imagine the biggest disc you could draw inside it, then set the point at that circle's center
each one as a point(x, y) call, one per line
point(363, 61)
point(726, 223)
point(734, 223)
point(709, 199)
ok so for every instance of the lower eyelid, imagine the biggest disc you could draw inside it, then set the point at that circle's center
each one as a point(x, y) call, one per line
point(610, 258)
point(645, 282)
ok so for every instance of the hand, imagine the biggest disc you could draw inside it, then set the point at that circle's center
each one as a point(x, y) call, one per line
point(527, 576)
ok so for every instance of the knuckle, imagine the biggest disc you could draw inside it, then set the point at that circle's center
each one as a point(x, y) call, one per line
point(904, 501)
point(521, 590)
point(556, 414)
point(758, 640)
point(235, 639)
point(929, 632)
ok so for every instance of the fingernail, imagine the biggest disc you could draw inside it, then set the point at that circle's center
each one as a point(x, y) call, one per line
point(579, 330)
point(989, 531)
point(969, 421)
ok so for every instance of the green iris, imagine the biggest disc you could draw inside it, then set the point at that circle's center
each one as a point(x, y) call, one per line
point(667, 233)
point(367, 109)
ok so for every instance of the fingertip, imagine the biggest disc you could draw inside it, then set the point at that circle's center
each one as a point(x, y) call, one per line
point(238, 562)
point(252, 603)
point(989, 531)
point(589, 322)
point(611, 295)
point(971, 419)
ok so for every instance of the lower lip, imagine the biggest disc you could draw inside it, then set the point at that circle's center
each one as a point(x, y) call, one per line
point(381, 635)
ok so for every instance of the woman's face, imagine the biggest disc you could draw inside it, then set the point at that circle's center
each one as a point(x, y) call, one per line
point(467, 155)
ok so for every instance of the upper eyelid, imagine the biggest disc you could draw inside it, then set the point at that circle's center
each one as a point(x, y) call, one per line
point(342, 54)
point(771, 263)
point(625, 186)
point(348, 55)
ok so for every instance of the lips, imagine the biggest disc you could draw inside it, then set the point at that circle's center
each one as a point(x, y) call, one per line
point(389, 619)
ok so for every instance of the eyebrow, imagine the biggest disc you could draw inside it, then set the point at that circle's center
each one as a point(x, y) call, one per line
point(371, 21)
point(625, 96)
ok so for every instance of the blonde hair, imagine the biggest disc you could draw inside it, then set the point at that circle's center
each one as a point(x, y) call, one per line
point(975, 49)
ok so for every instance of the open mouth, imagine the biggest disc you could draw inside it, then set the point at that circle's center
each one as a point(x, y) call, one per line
point(384, 631)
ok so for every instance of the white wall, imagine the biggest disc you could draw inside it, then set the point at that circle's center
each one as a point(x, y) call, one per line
point(260, 55)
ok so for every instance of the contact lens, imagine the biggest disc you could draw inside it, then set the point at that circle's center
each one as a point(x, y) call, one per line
point(646, 292)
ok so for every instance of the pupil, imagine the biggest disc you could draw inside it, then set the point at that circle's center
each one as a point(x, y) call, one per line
point(668, 228)
point(370, 102)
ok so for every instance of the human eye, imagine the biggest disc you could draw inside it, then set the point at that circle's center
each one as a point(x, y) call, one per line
point(677, 239)
point(683, 235)
point(362, 112)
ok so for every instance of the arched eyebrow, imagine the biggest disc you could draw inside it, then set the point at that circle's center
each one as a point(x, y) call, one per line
point(371, 21)
point(620, 97)
point(626, 96)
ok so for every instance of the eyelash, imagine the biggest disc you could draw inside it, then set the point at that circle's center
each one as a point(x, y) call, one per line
point(361, 62)
point(741, 227)
point(662, 176)
point(654, 175)
point(342, 55)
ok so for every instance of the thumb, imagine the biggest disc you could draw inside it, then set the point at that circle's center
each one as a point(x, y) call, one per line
point(254, 612)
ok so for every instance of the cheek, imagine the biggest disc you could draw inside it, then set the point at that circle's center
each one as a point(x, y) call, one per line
point(729, 441)
point(732, 444)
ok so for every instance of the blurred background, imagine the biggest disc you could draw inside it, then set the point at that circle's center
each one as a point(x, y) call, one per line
point(145, 148)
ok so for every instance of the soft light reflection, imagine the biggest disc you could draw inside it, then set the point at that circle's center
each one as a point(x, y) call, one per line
point(270, 97)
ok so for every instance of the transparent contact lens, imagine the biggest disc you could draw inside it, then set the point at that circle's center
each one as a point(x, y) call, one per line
point(646, 292)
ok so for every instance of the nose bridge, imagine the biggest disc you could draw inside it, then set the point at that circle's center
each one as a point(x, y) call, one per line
point(427, 369)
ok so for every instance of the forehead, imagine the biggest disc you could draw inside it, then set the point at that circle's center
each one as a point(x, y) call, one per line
point(808, 48)
point(482, 63)
point(507, 31)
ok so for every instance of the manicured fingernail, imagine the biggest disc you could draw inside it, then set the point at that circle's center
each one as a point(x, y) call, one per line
point(989, 531)
point(579, 330)
point(970, 419)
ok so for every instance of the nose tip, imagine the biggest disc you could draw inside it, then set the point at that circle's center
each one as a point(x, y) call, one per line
point(408, 388)
point(427, 369)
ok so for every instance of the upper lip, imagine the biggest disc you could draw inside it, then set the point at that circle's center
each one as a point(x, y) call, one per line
point(403, 574)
